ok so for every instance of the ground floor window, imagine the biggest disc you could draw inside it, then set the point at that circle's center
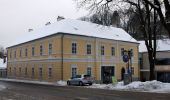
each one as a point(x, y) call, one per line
point(74, 72)
point(20, 71)
point(25, 71)
point(89, 71)
point(49, 72)
point(40, 72)
point(32, 72)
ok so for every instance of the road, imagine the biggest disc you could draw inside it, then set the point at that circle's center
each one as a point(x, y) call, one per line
point(24, 91)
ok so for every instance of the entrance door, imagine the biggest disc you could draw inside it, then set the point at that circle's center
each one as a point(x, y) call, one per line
point(106, 74)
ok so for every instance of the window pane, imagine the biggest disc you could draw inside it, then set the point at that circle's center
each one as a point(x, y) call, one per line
point(50, 48)
point(102, 50)
point(74, 48)
point(113, 51)
point(88, 49)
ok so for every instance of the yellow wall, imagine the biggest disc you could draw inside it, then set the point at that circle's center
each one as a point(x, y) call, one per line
point(81, 59)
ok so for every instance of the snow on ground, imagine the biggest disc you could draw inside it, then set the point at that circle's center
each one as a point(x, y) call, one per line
point(148, 86)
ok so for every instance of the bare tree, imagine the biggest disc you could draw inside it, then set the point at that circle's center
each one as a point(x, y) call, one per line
point(1, 52)
point(148, 15)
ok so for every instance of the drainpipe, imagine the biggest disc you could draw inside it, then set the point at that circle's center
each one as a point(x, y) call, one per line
point(62, 36)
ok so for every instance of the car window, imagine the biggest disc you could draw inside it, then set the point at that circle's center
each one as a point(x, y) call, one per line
point(78, 76)
point(86, 75)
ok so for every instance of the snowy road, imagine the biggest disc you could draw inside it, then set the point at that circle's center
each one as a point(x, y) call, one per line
point(24, 91)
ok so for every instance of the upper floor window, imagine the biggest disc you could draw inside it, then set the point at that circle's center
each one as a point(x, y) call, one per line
point(50, 49)
point(33, 51)
point(88, 48)
point(74, 48)
point(102, 50)
point(10, 54)
point(113, 51)
point(20, 53)
point(26, 52)
point(15, 53)
point(122, 51)
point(41, 50)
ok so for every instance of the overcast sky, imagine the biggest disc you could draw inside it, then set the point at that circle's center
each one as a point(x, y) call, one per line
point(17, 16)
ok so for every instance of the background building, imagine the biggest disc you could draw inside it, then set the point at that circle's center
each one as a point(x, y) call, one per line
point(3, 69)
point(162, 64)
point(69, 47)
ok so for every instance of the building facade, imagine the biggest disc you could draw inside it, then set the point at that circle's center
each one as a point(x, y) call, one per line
point(63, 55)
point(162, 63)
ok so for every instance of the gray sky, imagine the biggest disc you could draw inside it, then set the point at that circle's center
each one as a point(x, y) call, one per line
point(17, 16)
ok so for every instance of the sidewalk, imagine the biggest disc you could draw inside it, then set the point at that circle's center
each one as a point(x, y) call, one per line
point(58, 83)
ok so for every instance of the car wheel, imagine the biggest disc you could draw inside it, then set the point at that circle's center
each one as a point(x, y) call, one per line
point(68, 83)
point(90, 84)
point(80, 83)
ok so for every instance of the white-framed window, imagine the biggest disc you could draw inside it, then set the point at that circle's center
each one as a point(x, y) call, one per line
point(49, 72)
point(73, 70)
point(41, 50)
point(122, 51)
point(10, 70)
point(15, 53)
point(88, 48)
point(102, 50)
point(10, 54)
point(89, 71)
point(26, 71)
point(20, 53)
point(50, 46)
point(40, 72)
point(113, 51)
point(14, 71)
point(26, 52)
point(19, 71)
point(33, 72)
point(74, 48)
point(33, 51)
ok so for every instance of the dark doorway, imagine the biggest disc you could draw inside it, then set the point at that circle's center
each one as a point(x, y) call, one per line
point(106, 74)
point(163, 76)
point(122, 73)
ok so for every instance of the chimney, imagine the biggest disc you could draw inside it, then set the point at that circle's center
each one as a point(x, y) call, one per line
point(29, 30)
point(60, 18)
point(48, 23)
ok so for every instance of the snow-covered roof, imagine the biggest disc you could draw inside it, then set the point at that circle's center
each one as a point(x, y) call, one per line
point(2, 64)
point(162, 45)
point(77, 27)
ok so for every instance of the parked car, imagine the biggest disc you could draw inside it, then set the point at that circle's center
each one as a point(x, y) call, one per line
point(80, 80)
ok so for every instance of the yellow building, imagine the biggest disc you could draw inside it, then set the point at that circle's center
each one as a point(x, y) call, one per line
point(69, 47)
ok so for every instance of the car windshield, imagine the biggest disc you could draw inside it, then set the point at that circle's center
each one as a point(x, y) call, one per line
point(78, 76)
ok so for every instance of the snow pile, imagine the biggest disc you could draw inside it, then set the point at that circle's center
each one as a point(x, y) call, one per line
point(2, 87)
point(61, 83)
point(149, 86)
